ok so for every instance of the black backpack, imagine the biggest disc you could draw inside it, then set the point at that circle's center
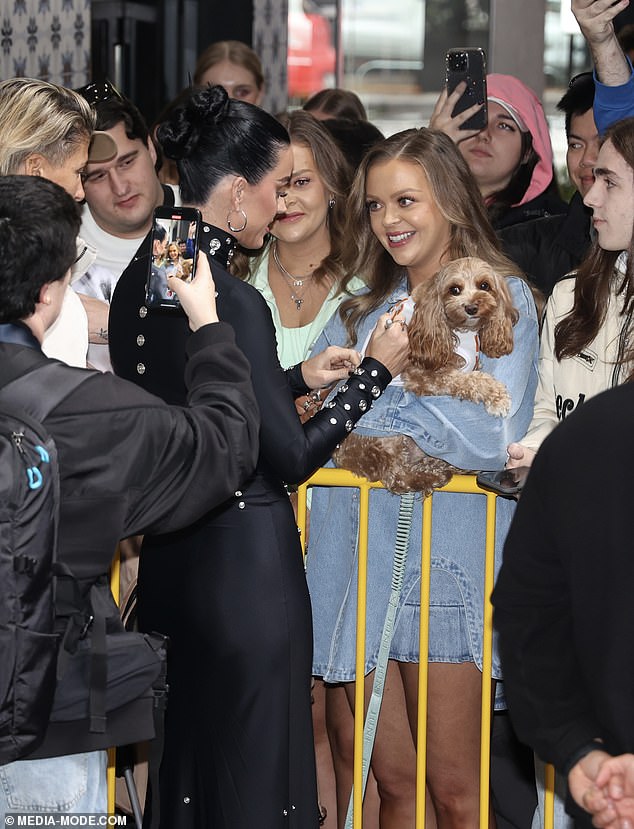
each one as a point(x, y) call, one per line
point(69, 668)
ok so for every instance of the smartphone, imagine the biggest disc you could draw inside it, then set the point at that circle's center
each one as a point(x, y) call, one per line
point(506, 482)
point(468, 64)
point(173, 252)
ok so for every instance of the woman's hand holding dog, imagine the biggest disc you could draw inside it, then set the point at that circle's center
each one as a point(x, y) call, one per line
point(389, 343)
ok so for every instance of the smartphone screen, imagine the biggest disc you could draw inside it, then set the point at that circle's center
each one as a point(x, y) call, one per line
point(469, 65)
point(173, 251)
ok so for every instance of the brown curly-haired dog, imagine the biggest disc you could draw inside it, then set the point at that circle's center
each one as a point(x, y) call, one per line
point(465, 295)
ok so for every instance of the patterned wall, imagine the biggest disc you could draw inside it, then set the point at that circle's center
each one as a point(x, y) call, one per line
point(48, 39)
point(269, 43)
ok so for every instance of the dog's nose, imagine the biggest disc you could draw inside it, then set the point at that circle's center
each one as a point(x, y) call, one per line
point(471, 310)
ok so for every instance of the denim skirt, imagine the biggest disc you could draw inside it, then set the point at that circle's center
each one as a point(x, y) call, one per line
point(457, 578)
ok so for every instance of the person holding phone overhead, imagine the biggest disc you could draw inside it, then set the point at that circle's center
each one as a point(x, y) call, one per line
point(230, 591)
point(511, 158)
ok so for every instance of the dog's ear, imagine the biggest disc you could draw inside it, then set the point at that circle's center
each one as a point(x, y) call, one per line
point(430, 338)
point(496, 334)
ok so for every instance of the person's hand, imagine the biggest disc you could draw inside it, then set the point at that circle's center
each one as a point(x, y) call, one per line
point(389, 343)
point(519, 455)
point(330, 365)
point(614, 808)
point(197, 297)
point(583, 786)
point(442, 120)
point(595, 18)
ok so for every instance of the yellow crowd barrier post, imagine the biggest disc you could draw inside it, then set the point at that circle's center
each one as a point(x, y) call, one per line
point(115, 573)
point(423, 667)
point(549, 797)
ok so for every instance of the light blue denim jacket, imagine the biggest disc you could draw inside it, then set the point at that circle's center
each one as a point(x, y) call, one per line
point(461, 433)
point(457, 431)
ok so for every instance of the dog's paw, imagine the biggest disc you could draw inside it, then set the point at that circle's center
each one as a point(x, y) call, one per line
point(498, 405)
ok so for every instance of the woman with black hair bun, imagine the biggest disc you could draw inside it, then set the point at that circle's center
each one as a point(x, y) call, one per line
point(230, 591)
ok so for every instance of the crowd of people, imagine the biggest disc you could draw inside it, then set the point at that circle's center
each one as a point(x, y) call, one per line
point(294, 330)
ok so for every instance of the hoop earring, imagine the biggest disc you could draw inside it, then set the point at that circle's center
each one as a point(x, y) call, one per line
point(244, 221)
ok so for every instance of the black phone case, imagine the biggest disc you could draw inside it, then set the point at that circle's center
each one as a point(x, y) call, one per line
point(474, 74)
point(502, 483)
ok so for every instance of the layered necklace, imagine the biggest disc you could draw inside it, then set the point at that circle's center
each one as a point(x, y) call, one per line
point(295, 282)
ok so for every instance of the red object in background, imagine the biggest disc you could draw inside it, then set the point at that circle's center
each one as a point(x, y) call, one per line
point(311, 54)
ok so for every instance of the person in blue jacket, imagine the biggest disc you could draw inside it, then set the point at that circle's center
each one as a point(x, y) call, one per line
point(614, 92)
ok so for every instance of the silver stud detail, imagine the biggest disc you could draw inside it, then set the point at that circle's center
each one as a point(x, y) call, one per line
point(347, 406)
point(285, 812)
point(358, 370)
point(375, 391)
point(143, 312)
point(140, 368)
point(140, 340)
point(343, 388)
point(237, 493)
point(349, 424)
point(241, 505)
point(374, 373)
point(206, 229)
point(331, 405)
point(333, 420)
point(362, 386)
point(363, 405)
point(214, 245)
point(187, 800)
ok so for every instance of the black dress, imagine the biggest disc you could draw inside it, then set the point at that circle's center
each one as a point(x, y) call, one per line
point(230, 591)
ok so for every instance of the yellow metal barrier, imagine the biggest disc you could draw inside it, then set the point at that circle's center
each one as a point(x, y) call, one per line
point(458, 484)
point(115, 571)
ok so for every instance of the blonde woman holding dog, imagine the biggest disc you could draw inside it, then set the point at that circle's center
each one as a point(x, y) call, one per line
point(414, 207)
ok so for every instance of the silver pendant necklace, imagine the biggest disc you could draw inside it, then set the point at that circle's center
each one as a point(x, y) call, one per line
point(295, 281)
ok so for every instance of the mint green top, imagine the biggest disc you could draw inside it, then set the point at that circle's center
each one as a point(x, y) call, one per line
point(295, 344)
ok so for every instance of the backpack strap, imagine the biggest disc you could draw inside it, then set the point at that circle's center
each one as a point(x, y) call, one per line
point(40, 386)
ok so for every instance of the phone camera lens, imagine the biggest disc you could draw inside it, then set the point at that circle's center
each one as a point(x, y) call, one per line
point(458, 62)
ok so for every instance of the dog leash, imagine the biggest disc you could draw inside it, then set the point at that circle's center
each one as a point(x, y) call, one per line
point(401, 546)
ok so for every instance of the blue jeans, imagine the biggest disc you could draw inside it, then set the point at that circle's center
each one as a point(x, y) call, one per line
point(75, 783)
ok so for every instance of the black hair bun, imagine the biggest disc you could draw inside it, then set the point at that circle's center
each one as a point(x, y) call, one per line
point(204, 108)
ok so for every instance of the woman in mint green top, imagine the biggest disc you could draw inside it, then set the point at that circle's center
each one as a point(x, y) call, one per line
point(300, 273)
point(295, 343)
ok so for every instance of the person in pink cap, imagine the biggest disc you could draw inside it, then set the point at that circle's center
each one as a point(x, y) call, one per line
point(512, 158)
